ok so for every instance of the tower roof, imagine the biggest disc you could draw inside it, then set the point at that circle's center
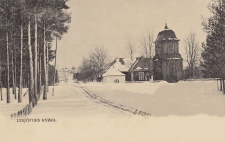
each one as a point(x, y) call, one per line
point(166, 34)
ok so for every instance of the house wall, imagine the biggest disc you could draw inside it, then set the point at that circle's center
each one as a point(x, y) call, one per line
point(113, 79)
point(127, 76)
point(136, 76)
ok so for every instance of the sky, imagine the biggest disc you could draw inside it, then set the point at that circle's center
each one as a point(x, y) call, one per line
point(109, 23)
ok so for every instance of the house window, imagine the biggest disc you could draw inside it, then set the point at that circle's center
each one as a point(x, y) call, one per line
point(141, 75)
point(116, 81)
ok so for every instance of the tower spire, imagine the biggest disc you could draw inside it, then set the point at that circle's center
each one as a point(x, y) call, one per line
point(166, 26)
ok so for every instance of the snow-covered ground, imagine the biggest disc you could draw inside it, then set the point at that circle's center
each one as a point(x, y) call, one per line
point(10, 108)
point(185, 98)
point(83, 118)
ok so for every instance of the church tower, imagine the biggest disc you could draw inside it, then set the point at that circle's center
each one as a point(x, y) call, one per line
point(167, 62)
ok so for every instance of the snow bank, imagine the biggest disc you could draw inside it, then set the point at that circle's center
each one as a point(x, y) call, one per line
point(165, 99)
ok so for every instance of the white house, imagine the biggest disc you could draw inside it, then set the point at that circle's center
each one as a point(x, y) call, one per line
point(122, 65)
point(113, 76)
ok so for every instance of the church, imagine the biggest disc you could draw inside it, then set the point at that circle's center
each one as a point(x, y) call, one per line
point(167, 62)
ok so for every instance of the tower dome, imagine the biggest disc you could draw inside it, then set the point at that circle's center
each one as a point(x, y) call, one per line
point(166, 34)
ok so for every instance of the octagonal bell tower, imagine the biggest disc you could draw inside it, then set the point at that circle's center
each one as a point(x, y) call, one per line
point(167, 62)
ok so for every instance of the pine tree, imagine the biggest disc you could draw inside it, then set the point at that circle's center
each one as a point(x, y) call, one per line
point(213, 54)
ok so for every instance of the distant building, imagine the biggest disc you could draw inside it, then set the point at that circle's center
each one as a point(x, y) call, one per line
point(64, 74)
point(168, 63)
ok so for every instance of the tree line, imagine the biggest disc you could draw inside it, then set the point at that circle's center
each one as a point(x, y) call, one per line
point(27, 30)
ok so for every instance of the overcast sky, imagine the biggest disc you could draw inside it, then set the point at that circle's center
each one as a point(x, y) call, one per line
point(109, 23)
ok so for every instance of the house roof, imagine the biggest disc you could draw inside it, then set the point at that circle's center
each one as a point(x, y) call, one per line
point(121, 64)
point(141, 64)
point(113, 72)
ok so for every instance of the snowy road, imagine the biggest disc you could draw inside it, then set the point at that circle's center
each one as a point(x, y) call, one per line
point(72, 101)
point(85, 119)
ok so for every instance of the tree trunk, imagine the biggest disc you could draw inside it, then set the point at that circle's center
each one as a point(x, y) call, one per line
point(12, 65)
point(21, 65)
point(44, 65)
point(39, 68)
point(12, 73)
point(223, 86)
point(54, 68)
point(7, 54)
point(14, 68)
point(35, 59)
point(40, 74)
point(47, 68)
point(192, 74)
point(220, 84)
point(31, 80)
point(1, 88)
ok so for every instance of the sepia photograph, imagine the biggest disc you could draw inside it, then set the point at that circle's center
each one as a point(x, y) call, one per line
point(112, 70)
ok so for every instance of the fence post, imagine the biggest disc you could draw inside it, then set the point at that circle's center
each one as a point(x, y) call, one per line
point(31, 107)
point(21, 113)
point(27, 110)
point(11, 116)
point(18, 114)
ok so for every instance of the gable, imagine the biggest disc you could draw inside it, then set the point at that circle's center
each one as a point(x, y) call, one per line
point(142, 64)
point(120, 64)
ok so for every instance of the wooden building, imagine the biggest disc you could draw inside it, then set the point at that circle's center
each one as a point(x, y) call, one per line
point(141, 69)
point(168, 63)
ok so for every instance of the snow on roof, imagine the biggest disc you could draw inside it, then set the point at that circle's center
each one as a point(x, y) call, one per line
point(121, 64)
point(174, 58)
point(113, 72)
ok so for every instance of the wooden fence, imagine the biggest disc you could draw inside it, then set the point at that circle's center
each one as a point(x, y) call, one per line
point(23, 112)
point(27, 109)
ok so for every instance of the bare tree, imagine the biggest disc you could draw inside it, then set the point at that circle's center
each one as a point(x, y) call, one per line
point(131, 51)
point(147, 48)
point(99, 59)
point(147, 44)
point(192, 52)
